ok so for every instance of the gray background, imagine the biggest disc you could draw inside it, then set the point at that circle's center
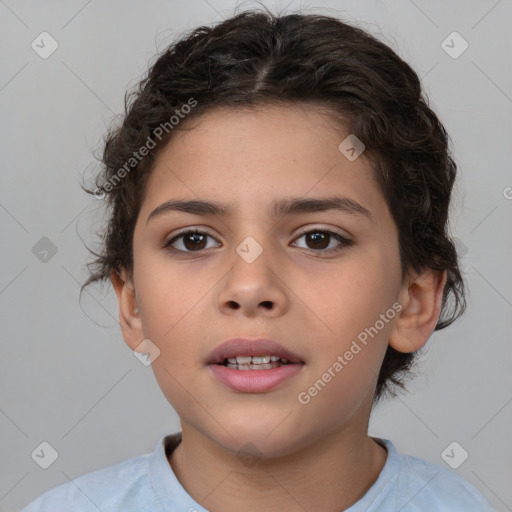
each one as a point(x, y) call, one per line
point(66, 375)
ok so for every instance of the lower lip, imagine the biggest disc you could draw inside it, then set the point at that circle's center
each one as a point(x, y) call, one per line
point(254, 381)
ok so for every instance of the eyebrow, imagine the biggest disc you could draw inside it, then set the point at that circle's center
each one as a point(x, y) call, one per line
point(280, 208)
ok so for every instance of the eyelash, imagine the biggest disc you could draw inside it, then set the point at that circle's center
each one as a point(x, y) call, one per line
point(345, 243)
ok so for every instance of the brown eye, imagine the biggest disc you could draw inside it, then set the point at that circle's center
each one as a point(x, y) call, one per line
point(319, 240)
point(188, 241)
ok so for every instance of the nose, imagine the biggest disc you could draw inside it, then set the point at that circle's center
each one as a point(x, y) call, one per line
point(253, 288)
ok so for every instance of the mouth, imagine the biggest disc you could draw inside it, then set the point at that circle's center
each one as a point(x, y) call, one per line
point(253, 365)
point(255, 362)
point(252, 354)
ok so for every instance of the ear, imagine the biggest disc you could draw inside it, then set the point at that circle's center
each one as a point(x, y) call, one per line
point(421, 298)
point(129, 315)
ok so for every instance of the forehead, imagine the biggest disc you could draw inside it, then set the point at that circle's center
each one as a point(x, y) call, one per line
point(243, 157)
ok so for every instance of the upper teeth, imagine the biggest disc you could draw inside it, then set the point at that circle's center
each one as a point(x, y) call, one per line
point(255, 359)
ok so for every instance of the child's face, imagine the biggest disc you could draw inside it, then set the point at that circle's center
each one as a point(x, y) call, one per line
point(312, 301)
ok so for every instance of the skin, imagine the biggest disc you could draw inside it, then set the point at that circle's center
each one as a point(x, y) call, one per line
point(311, 457)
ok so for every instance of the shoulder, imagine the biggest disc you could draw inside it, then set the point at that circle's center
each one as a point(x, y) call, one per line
point(422, 485)
point(108, 489)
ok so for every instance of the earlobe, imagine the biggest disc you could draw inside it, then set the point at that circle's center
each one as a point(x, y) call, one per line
point(129, 315)
point(421, 299)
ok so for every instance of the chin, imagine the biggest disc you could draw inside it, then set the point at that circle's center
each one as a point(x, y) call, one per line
point(262, 439)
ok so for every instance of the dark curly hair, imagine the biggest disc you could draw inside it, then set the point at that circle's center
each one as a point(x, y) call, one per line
point(258, 58)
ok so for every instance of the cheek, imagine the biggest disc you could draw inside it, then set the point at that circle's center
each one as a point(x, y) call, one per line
point(357, 315)
point(170, 305)
point(352, 295)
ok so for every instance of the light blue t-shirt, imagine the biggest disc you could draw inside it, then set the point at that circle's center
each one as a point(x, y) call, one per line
point(148, 483)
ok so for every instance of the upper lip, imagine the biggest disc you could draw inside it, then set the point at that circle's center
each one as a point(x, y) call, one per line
point(250, 347)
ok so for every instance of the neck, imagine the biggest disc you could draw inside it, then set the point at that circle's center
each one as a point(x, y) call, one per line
point(330, 474)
